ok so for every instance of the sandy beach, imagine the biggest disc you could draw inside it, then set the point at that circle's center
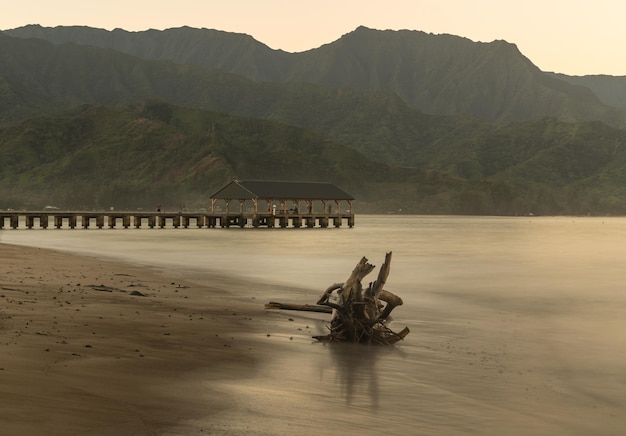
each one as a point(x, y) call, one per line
point(97, 348)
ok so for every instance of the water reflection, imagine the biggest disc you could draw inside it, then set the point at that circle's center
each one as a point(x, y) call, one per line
point(358, 373)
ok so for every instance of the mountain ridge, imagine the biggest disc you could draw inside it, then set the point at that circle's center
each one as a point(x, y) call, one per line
point(436, 74)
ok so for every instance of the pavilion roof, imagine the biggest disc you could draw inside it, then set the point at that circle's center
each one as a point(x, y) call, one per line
point(280, 190)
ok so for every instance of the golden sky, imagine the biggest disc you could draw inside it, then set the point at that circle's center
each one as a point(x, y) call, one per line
point(567, 36)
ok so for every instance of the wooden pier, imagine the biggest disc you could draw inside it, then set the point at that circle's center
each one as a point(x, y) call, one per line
point(139, 219)
point(262, 204)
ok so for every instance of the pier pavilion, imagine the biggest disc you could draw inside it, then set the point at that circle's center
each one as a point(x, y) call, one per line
point(265, 203)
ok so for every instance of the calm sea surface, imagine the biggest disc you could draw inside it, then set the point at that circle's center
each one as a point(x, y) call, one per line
point(518, 325)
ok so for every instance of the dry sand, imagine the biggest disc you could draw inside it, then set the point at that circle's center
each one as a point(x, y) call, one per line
point(82, 353)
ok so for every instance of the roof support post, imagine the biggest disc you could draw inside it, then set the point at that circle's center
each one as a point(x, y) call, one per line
point(213, 200)
point(255, 201)
point(241, 206)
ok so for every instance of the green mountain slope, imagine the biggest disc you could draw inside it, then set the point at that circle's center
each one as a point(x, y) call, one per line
point(449, 75)
point(211, 49)
point(436, 74)
point(611, 90)
point(94, 157)
point(40, 77)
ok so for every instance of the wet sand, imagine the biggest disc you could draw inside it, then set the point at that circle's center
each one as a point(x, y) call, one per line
point(97, 348)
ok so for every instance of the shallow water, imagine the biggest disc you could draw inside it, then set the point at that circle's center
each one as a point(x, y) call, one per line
point(517, 324)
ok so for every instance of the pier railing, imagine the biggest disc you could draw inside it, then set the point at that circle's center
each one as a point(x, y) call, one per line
point(137, 219)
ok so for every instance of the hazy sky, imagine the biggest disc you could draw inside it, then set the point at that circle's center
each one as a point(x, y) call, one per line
point(568, 36)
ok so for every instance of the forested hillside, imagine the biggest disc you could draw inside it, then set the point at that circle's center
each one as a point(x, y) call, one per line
point(134, 119)
point(149, 153)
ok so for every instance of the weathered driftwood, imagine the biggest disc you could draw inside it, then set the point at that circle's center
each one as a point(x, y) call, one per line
point(358, 315)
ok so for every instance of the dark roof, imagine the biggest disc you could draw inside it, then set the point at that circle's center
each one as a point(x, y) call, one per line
point(264, 189)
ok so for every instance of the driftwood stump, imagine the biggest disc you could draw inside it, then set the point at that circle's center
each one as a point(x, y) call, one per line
point(358, 315)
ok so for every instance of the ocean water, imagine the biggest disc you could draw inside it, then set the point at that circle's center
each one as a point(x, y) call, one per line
point(518, 324)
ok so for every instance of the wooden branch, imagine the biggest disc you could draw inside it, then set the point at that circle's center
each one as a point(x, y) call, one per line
point(302, 307)
point(395, 337)
point(372, 293)
point(352, 288)
point(392, 301)
point(338, 307)
point(382, 276)
point(326, 295)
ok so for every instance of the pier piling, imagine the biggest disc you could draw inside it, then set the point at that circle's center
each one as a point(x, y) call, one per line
point(68, 219)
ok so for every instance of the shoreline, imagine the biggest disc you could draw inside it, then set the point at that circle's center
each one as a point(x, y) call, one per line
point(91, 346)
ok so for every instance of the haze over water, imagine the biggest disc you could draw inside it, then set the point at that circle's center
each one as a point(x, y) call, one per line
point(517, 325)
